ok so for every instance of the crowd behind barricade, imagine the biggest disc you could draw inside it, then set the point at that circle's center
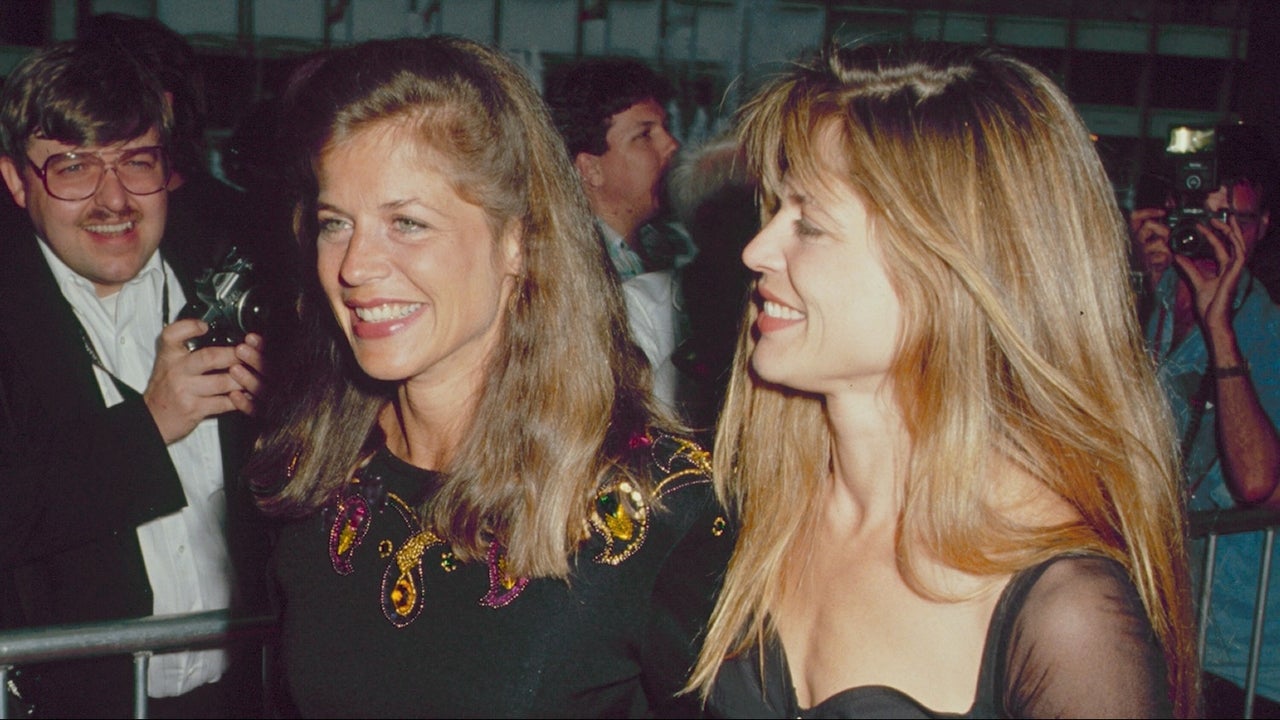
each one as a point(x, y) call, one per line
point(507, 404)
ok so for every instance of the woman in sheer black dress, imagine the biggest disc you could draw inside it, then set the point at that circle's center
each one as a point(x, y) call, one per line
point(953, 466)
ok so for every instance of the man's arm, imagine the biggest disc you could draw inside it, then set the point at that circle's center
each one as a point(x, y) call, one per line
point(1248, 445)
point(73, 473)
point(89, 472)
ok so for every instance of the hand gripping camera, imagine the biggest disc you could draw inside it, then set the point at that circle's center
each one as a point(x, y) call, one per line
point(227, 300)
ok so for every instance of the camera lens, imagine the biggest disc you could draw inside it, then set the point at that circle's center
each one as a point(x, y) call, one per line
point(1187, 240)
point(251, 312)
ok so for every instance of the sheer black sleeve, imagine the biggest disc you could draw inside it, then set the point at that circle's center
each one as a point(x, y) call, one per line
point(1078, 644)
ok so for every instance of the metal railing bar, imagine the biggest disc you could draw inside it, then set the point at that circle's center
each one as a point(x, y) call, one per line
point(1229, 521)
point(139, 637)
point(157, 633)
point(1206, 592)
point(1259, 618)
point(1210, 525)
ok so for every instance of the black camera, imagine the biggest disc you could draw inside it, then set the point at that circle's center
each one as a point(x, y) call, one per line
point(227, 300)
point(1194, 151)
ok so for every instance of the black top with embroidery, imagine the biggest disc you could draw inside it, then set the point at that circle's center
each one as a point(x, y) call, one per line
point(380, 620)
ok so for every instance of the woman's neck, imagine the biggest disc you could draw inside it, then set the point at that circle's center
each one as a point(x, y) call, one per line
point(869, 453)
point(424, 429)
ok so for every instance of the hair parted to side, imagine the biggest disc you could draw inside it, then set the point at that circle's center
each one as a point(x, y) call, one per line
point(166, 53)
point(83, 94)
point(585, 95)
point(1002, 237)
point(565, 390)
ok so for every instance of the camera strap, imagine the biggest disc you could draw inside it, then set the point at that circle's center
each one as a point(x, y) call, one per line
point(124, 389)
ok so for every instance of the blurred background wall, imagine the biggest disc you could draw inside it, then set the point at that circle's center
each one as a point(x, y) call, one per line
point(1133, 67)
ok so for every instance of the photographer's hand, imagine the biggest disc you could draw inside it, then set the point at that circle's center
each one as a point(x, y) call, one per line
point(1150, 237)
point(1214, 282)
point(188, 386)
point(1248, 444)
point(248, 372)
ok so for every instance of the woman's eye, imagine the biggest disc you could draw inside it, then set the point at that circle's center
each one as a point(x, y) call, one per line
point(330, 226)
point(805, 229)
point(406, 225)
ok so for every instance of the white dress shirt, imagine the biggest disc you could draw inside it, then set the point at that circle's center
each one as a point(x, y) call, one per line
point(185, 552)
point(653, 312)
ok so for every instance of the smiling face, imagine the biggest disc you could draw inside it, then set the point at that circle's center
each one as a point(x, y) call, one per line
point(828, 318)
point(108, 237)
point(411, 269)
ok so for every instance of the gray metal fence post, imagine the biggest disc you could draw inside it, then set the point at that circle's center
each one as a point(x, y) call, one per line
point(141, 663)
point(1259, 618)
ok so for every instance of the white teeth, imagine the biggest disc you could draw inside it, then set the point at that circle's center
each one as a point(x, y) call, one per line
point(778, 310)
point(383, 313)
point(107, 229)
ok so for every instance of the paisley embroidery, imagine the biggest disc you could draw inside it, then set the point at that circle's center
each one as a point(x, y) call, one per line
point(350, 524)
point(620, 511)
point(620, 514)
point(622, 517)
point(402, 597)
point(502, 587)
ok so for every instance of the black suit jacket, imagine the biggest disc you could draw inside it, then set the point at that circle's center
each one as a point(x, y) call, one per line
point(76, 477)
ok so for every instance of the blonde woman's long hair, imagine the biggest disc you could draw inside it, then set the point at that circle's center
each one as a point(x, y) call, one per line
point(1001, 232)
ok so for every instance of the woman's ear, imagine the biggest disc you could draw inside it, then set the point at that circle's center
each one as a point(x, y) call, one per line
point(512, 248)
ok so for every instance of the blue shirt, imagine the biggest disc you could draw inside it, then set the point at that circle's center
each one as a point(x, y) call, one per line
point(1257, 326)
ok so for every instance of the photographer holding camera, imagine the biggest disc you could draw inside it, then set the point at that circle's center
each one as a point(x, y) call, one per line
point(1216, 335)
point(116, 439)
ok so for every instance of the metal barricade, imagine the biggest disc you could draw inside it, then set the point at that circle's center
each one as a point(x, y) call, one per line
point(1211, 525)
point(141, 638)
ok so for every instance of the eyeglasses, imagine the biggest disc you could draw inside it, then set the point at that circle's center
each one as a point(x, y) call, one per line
point(79, 175)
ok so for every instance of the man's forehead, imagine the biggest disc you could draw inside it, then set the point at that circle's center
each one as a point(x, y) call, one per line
point(644, 111)
point(43, 147)
point(1242, 195)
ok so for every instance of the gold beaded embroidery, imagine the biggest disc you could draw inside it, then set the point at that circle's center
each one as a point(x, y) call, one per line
point(402, 598)
point(404, 594)
point(621, 510)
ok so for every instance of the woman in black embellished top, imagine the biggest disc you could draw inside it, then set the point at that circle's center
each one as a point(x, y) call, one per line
point(489, 517)
point(953, 467)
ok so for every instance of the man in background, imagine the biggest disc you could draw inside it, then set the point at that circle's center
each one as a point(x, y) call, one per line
point(610, 112)
point(611, 115)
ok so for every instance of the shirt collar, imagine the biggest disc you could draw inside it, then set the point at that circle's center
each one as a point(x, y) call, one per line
point(150, 279)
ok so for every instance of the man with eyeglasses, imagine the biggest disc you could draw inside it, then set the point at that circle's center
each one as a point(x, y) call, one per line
point(1216, 334)
point(116, 441)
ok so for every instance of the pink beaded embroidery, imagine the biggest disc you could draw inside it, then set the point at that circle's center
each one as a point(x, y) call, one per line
point(502, 587)
point(350, 524)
